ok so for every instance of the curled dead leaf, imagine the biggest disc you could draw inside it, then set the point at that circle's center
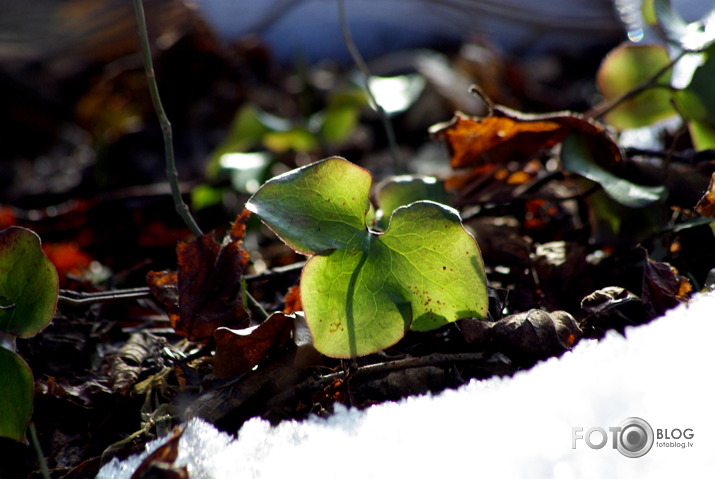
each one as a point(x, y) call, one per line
point(527, 336)
point(128, 363)
point(508, 134)
point(164, 287)
point(611, 308)
point(663, 287)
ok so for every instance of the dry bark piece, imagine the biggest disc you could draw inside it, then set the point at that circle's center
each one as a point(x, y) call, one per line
point(128, 363)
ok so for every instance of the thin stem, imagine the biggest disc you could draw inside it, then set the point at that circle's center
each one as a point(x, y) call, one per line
point(72, 298)
point(171, 172)
point(250, 303)
point(38, 450)
point(362, 66)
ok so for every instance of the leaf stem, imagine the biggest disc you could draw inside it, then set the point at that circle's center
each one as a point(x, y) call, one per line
point(362, 67)
point(181, 208)
point(38, 450)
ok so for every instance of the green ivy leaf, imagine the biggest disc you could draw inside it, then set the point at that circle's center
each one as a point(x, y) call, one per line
point(28, 283)
point(577, 157)
point(16, 395)
point(361, 291)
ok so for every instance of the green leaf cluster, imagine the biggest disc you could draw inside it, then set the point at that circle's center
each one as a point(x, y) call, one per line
point(252, 128)
point(362, 290)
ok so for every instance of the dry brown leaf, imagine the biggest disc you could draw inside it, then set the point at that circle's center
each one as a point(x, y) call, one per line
point(497, 138)
point(706, 205)
point(164, 287)
point(160, 463)
point(480, 147)
point(292, 300)
point(205, 293)
point(663, 287)
point(239, 350)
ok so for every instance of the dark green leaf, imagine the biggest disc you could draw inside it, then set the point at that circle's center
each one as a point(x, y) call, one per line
point(577, 157)
point(28, 283)
point(16, 395)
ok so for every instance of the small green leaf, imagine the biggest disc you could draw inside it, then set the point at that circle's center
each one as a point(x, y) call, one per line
point(205, 196)
point(578, 158)
point(340, 118)
point(362, 291)
point(626, 68)
point(16, 395)
point(297, 139)
point(403, 190)
point(338, 123)
point(247, 130)
point(28, 283)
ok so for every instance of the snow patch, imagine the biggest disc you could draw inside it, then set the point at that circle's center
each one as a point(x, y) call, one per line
point(501, 427)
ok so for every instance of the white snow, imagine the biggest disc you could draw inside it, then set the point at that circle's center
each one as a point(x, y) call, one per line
point(519, 427)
